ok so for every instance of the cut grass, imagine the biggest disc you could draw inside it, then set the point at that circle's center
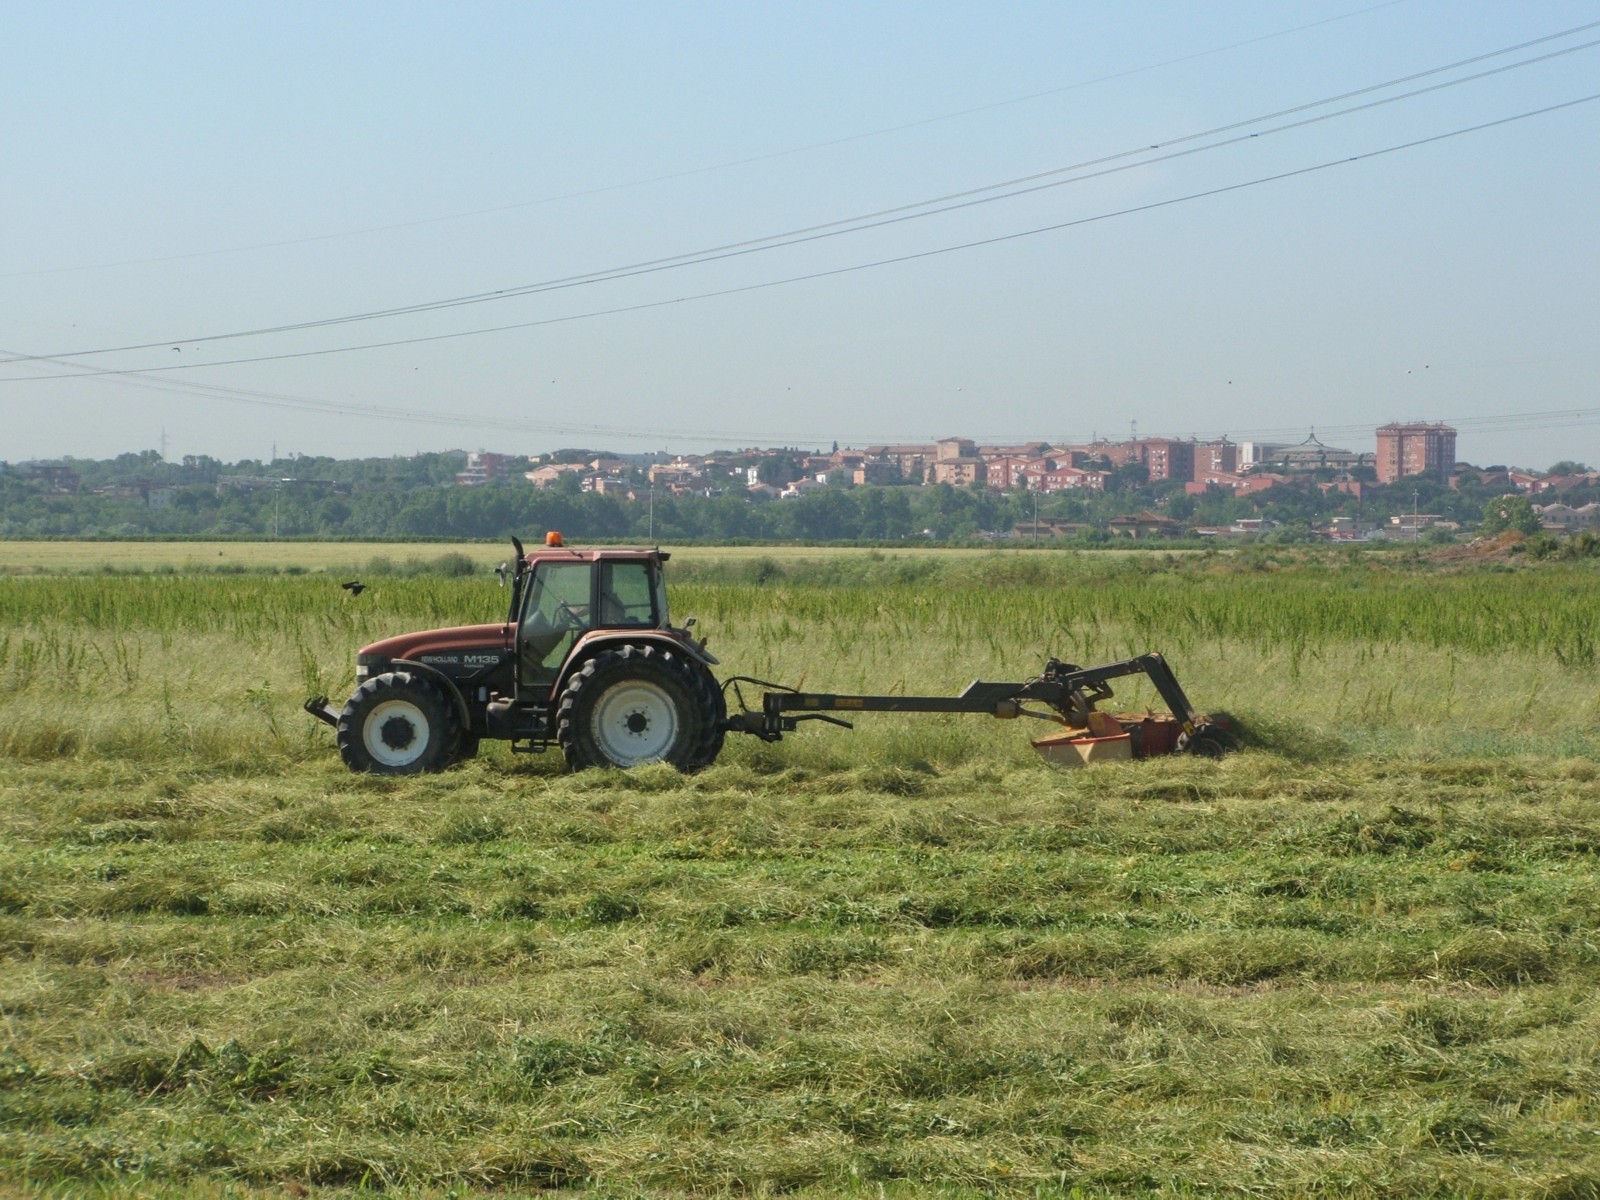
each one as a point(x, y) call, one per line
point(747, 982)
point(1356, 960)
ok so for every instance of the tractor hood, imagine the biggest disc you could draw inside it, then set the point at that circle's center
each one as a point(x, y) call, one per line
point(451, 644)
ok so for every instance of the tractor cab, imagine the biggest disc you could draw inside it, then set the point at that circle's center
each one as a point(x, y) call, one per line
point(563, 598)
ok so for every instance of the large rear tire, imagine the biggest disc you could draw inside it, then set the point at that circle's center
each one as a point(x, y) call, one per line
point(714, 714)
point(632, 706)
point(398, 723)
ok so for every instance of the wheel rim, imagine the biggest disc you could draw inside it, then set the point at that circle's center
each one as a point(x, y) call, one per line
point(396, 733)
point(634, 723)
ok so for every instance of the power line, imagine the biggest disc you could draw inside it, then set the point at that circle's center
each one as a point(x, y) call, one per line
point(845, 270)
point(900, 213)
point(728, 164)
point(279, 400)
point(1494, 423)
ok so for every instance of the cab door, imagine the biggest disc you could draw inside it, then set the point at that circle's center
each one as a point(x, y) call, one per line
point(558, 610)
point(628, 595)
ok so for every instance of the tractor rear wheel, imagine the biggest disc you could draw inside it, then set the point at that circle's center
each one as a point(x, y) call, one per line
point(398, 724)
point(631, 706)
point(713, 712)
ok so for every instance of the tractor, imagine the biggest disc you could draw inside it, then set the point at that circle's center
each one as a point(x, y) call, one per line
point(588, 659)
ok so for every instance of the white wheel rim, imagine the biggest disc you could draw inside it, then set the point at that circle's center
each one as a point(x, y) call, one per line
point(396, 733)
point(634, 723)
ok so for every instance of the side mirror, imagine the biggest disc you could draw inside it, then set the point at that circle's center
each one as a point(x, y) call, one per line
point(501, 571)
point(689, 624)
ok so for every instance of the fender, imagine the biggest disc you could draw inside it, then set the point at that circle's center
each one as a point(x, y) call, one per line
point(698, 650)
point(439, 677)
point(606, 639)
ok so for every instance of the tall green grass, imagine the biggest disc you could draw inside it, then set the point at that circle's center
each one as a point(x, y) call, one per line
point(149, 664)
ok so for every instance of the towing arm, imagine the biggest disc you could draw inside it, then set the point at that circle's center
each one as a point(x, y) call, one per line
point(1069, 691)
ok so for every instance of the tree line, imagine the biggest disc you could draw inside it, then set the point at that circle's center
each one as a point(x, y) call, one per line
point(417, 498)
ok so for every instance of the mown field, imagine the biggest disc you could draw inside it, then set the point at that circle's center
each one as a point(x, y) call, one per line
point(1358, 959)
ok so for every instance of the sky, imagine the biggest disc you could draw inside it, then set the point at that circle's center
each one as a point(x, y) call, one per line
point(361, 228)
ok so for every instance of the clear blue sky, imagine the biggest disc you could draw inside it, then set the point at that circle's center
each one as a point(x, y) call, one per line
point(177, 172)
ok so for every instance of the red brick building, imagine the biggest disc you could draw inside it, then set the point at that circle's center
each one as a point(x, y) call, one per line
point(1417, 449)
point(1165, 458)
point(1219, 457)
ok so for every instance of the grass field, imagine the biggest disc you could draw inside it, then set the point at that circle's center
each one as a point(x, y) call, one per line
point(75, 557)
point(1358, 959)
point(56, 557)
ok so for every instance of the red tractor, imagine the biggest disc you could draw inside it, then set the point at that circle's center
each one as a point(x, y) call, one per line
point(587, 659)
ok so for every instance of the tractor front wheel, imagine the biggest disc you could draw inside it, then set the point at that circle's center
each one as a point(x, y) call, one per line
point(628, 707)
point(467, 747)
point(398, 724)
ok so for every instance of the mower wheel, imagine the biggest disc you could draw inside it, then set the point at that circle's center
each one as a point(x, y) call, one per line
point(1208, 741)
point(398, 723)
point(631, 706)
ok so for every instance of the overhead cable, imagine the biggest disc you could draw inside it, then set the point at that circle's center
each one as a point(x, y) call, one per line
point(914, 256)
point(729, 164)
point(904, 212)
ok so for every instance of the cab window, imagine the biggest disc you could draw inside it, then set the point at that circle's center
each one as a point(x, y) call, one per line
point(556, 613)
point(626, 595)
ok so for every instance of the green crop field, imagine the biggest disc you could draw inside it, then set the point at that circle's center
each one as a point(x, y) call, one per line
point(1359, 958)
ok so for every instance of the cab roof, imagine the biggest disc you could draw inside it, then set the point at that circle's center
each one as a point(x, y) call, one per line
point(597, 554)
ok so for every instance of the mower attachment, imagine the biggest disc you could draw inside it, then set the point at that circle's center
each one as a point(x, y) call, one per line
point(1070, 693)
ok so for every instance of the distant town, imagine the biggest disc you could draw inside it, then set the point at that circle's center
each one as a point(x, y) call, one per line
point(1421, 451)
point(1409, 485)
point(1242, 467)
